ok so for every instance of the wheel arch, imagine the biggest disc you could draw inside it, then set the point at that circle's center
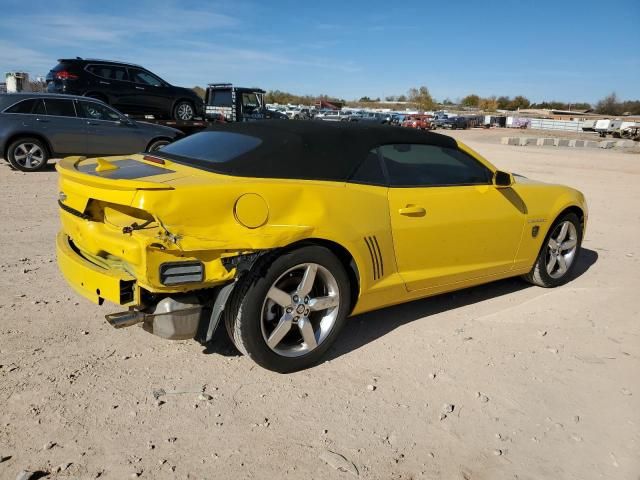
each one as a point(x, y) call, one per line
point(18, 136)
point(98, 96)
point(345, 257)
point(155, 139)
point(573, 209)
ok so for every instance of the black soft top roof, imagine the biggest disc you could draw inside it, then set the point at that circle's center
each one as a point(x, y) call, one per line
point(310, 150)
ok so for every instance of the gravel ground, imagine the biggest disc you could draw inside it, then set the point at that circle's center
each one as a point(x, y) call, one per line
point(501, 381)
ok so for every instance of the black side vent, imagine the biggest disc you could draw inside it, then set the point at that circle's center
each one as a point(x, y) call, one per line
point(376, 256)
point(178, 273)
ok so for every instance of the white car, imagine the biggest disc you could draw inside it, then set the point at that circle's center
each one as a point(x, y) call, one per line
point(334, 116)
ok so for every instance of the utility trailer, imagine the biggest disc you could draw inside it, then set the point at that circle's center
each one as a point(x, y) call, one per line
point(185, 126)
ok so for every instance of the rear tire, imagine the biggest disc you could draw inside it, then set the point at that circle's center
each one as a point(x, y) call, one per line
point(559, 253)
point(28, 154)
point(183, 111)
point(157, 145)
point(277, 318)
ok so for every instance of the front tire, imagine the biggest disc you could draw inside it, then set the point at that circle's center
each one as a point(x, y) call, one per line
point(288, 310)
point(183, 111)
point(28, 155)
point(559, 253)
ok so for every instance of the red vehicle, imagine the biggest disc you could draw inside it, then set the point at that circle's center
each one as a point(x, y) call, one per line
point(421, 122)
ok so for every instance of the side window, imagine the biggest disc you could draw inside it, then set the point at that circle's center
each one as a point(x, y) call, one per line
point(145, 78)
point(250, 100)
point(25, 106)
point(109, 72)
point(60, 107)
point(220, 98)
point(369, 171)
point(98, 111)
point(411, 165)
point(39, 108)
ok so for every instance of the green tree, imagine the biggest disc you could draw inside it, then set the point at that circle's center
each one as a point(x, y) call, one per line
point(503, 102)
point(472, 100)
point(421, 98)
point(489, 104)
point(519, 102)
point(199, 91)
point(402, 98)
point(609, 105)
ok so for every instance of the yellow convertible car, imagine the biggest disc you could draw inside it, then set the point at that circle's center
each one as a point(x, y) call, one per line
point(283, 229)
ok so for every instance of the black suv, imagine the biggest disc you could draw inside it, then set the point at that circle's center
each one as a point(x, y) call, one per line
point(129, 88)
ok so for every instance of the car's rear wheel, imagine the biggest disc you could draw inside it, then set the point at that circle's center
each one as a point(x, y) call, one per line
point(287, 311)
point(559, 252)
point(28, 154)
point(157, 145)
point(183, 111)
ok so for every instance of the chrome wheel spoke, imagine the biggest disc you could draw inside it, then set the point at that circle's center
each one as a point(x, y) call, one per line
point(292, 323)
point(551, 264)
point(553, 244)
point(281, 297)
point(308, 335)
point(562, 264)
point(563, 232)
point(283, 327)
point(569, 244)
point(323, 303)
point(307, 280)
point(19, 157)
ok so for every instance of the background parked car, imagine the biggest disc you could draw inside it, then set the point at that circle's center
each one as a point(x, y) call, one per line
point(37, 126)
point(421, 122)
point(374, 117)
point(455, 123)
point(130, 88)
point(334, 116)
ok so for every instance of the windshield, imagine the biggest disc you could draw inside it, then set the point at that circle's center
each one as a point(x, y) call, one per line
point(204, 149)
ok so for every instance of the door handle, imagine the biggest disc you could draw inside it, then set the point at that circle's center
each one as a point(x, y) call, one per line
point(412, 211)
point(43, 120)
point(92, 123)
point(105, 83)
point(139, 88)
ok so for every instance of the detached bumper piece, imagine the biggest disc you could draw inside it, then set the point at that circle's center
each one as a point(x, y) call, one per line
point(92, 281)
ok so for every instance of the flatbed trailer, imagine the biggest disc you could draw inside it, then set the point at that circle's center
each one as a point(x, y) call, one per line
point(186, 126)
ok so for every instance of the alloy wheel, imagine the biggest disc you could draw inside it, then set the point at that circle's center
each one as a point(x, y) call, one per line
point(185, 111)
point(28, 155)
point(300, 310)
point(561, 249)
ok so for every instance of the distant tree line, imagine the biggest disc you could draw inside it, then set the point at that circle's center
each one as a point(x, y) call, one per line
point(421, 99)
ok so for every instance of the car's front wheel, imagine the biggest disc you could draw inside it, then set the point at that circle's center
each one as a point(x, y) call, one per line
point(28, 154)
point(559, 252)
point(183, 111)
point(286, 312)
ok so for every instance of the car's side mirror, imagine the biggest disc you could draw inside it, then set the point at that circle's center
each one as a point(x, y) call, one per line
point(502, 179)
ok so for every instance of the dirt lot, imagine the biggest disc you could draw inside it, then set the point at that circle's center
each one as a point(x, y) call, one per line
point(544, 384)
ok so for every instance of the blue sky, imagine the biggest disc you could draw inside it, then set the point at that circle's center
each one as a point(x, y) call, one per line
point(562, 50)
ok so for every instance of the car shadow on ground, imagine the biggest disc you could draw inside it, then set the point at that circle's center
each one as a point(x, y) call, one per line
point(368, 327)
point(49, 167)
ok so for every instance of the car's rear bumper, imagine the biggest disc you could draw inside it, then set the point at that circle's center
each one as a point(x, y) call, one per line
point(93, 281)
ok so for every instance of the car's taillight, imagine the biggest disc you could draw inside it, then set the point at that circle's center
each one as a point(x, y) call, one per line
point(64, 75)
point(157, 160)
